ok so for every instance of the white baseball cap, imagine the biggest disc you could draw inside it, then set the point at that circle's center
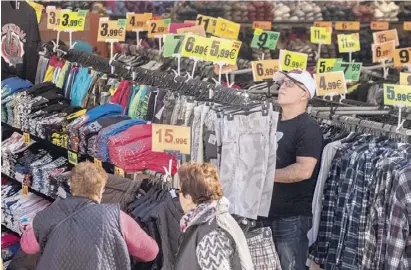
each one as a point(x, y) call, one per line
point(301, 76)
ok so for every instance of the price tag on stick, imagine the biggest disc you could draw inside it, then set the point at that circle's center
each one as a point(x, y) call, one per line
point(224, 51)
point(348, 43)
point(208, 22)
point(384, 51)
point(119, 171)
point(265, 25)
point(351, 70)
point(291, 60)
point(265, 69)
point(385, 36)
point(265, 39)
point(326, 65)
point(347, 26)
point(53, 18)
point(397, 95)
point(137, 22)
point(227, 29)
point(111, 30)
point(26, 138)
point(330, 83)
point(171, 138)
point(158, 28)
point(72, 21)
point(407, 26)
point(195, 46)
point(405, 78)
point(321, 35)
point(402, 57)
point(172, 44)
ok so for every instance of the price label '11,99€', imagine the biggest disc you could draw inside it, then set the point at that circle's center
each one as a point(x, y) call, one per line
point(171, 138)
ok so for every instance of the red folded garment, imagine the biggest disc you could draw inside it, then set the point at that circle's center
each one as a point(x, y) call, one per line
point(8, 240)
point(130, 135)
point(122, 94)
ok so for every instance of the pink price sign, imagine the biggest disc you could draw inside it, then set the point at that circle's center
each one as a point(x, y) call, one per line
point(175, 26)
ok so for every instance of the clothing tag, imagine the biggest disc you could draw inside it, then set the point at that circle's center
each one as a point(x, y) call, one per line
point(212, 139)
point(173, 193)
point(160, 113)
point(211, 145)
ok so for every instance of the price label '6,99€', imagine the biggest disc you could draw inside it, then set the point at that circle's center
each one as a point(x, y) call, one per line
point(397, 94)
point(292, 60)
point(330, 83)
point(264, 70)
point(195, 46)
point(112, 30)
point(171, 138)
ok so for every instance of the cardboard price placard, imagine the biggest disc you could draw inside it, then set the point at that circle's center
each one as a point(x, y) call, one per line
point(224, 51)
point(330, 83)
point(405, 78)
point(383, 51)
point(172, 44)
point(53, 18)
point(380, 25)
point(292, 60)
point(265, 39)
point(265, 69)
point(72, 20)
point(385, 36)
point(110, 30)
point(265, 25)
point(197, 30)
point(395, 94)
point(348, 43)
point(209, 23)
point(25, 190)
point(195, 46)
point(351, 71)
point(402, 57)
point(26, 138)
point(407, 26)
point(325, 24)
point(347, 26)
point(176, 26)
point(321, 35)
point(225, 68)
point(158, 28)
point(119, 171)
point(137, 22)
point(98, 162)
point(38, 8)
point(227, 29)
point(326, 65)
point(72, 157)
point(171, 138)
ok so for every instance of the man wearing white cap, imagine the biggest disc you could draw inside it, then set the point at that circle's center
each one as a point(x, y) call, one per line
point(298, 154)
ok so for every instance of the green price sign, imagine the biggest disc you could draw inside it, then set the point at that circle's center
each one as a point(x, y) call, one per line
point(265, 39)
point(172, 44)
point(351, 70)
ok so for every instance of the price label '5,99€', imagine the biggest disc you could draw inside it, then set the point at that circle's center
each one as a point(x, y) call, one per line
point(171, 138)
point(330, 83)
point(326, 65)
point(112, 30)
point(224, 51)
point(397, 94)
point(264, 70)
point(292, 60)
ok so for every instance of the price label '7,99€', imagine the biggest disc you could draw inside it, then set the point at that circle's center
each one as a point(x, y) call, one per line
point(397, 94)
point(171, 138)
point(112, 30)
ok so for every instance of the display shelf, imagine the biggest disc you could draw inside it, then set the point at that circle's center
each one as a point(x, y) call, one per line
point(10, 229)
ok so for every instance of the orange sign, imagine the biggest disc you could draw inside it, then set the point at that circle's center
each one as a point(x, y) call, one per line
point(171, 138)
point(137, 22)
point(264, 69)
point(380, 25)
point(262, 25)
point(330, 83)
point(407, 26)
point(347, 26)
point(402, 57)
point(323, 24)
point(383, 51)
point(225, 69)
point(385, 36)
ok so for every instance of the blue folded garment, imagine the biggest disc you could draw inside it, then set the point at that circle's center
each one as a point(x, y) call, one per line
point(11, 85)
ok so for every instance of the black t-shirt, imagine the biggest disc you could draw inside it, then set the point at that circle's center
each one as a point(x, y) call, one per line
point(302, 137)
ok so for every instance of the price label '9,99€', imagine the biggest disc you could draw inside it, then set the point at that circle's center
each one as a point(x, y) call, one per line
point(265, 39)
point(330, 83)
point(397, 94)
point(264, 70)
point(171, 138)
point(112, 30)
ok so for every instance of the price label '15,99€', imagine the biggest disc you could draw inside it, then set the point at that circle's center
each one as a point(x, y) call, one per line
point(330, 83)
point(171, 138)
point(395, 94)
point(112, 30)
point(265, 69)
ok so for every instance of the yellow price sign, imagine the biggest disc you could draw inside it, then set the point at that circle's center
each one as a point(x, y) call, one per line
point(25, 190)
point(72, 20)
point(325, 24)
point(383, 51)
point(171, 138)
point(72, 157)
point(347, 26)
point(224, 51)
point(158, 28)
point(264, 69)
point(330, 83)
point(326, 65)
point(290, 60)
point(405, 78)
point(407, 26)
point(38, 8)
point(380, 25)
point(137, 22)
point(53, 18)
point(195, 46)
point(119, 171)
point(26, 138)
point(321, 35)
point(227, 29)
point(395, 94)
point(402, 57)
point(265, 25)
point(110, 30)
point(385, 36)
point(348, 43)
point(98, 162)
point(208, 22)
point(225, 68)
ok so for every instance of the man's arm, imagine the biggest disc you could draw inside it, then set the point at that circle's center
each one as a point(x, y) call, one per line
point(139, 244)
point(297, 172)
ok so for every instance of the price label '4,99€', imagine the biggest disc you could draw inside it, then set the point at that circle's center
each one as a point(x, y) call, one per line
point(112, 30)
point(264, 70)
point(265, 39)
point(224, 51)
point(171, 138)
point(137, 22)
point(397, 94)
point(292, 60)
point(330, 83)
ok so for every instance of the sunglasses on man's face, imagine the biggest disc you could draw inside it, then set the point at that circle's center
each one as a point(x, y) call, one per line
point(289, 83)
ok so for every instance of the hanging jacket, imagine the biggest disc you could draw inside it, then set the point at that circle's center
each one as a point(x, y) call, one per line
point(212, 239)
point(90, 239)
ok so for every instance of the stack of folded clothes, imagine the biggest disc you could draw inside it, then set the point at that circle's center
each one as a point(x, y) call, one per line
point(10, 244)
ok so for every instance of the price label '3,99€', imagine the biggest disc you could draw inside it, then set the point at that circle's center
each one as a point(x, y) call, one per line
point(112, 30)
